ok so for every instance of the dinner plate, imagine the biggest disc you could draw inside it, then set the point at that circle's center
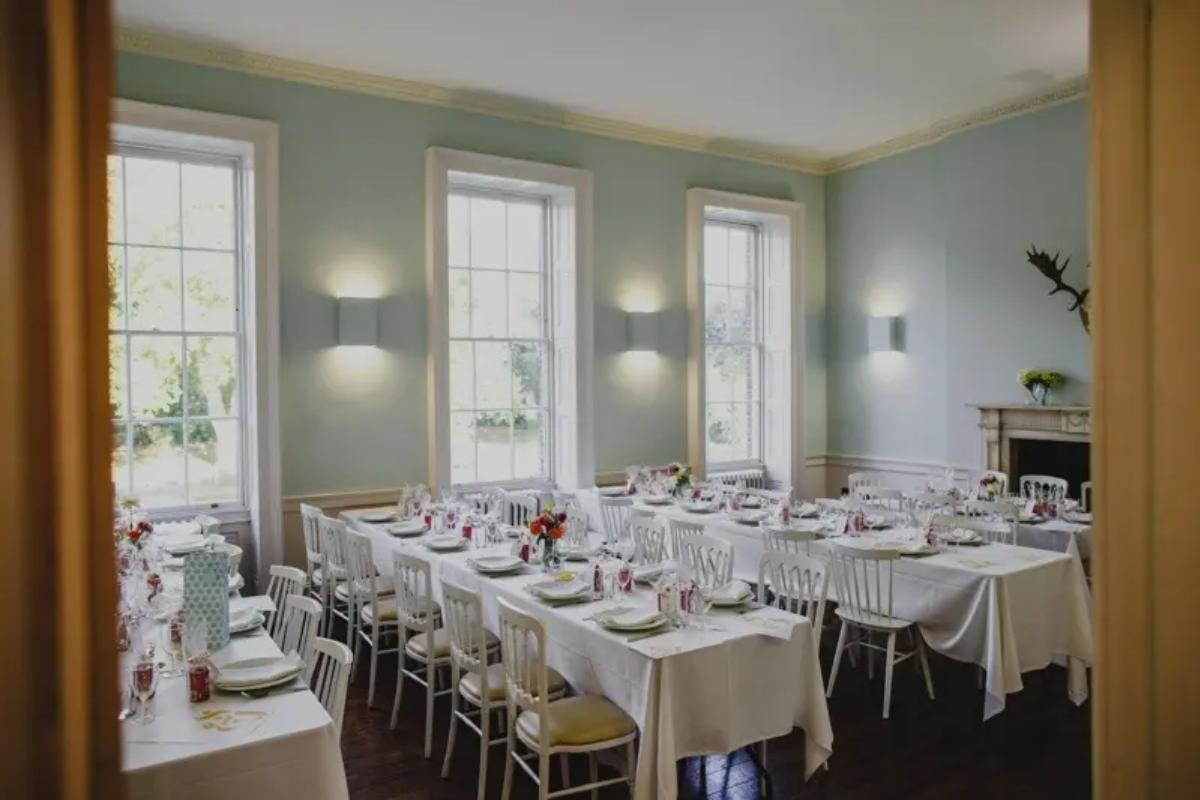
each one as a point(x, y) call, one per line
point(226, 677)
point(656, 500)
point(698, 508)
point(251, 622)
point(728, 602)
point(410, 527)
point(446, 544)
point(611, 491)
point(496, 565)
point(1031, 519)
point(554, 591)
point(609, 620)
point(752, 502)
point(577, 553)
point(917, 550)
point(1079, 516)
point(377, 516)
point(747, 517)
point(806, 511)
point(647, 574)
point(512, 531)
point(178, 548)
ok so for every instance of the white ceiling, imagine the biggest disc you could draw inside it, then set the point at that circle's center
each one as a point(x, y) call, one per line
point(812, 78)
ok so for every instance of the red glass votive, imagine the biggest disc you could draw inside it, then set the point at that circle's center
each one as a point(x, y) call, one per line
point(143, 677)
point(466, 531)
point(625, 578)
point(428, 520)
point(176, 629)
point(199, 682)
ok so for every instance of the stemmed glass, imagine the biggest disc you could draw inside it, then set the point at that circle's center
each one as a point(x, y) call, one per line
point(143, 680)
point(173, 644)
point(701, 602)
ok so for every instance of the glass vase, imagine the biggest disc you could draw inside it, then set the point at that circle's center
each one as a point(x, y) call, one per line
point(1038, 391)
point(551, 558)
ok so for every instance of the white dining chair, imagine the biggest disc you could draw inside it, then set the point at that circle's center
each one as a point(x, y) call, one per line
point(1085, 497)
point(781, 540)
point(1044, 488)
point(576, 536)
point(797, 583)
point(861, 479)
point(478, 684)
point(310, 525)
point(679, 530)
point(864, 586)
point(329, 675)
point(649, 540)
point(545, 727)
point(928, 501)
point(373, 614)
point(520, 507)
point(300, 621)
point(709, 559)
point(333, 573)
point(283, 583)
point(614, 513)
point(879, 498)
point(996, 531)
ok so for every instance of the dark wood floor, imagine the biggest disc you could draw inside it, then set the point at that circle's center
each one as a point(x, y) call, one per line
point(1038, 747)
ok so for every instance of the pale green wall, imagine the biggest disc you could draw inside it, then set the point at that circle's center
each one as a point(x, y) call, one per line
point(351, 206)
point(938, 236)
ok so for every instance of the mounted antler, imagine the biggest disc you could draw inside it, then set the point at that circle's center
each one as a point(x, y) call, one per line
point(1048, 266)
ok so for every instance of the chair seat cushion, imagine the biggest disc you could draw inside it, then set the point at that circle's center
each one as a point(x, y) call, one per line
point(495, 677)
point(363, 588)
point(582, 720)
point(386, 609)
point(418, 646)
point(872, 620)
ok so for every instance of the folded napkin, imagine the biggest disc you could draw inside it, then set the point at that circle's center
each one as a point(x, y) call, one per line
point(962, 535)
point(634, 617)
point(234, 676)
point(561, 590)
point(733, 592)
point(242, 617)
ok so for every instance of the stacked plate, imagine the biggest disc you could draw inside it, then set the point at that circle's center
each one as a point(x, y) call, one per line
point(697, 507)
point(258, 673)
point(179, 544)
point(1031, 519)
point(751, 502)
point(963, 536)
point(446, 542)
point(409, 527)
point(630, 620)
point(378, 515)
point(647, 573)
point(806, 510)
point(576, 553)
point(496, 565)
point(245, 620)
point(734, 593)
point(747, 517)
point(1084, 517)
point(875, 522)
point(657, 499)
point(556, 591)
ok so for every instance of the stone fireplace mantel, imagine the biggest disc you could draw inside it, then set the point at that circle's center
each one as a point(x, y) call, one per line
point(1003, 422)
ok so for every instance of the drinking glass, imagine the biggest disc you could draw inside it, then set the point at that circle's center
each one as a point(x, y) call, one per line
point(701, 603)
point(143, 680)
point(174, 650)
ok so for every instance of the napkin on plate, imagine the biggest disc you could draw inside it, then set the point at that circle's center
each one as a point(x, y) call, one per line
point(234, 677)
point(242, 617)
point(733, 592)
point(633, 618)
point(561, 590)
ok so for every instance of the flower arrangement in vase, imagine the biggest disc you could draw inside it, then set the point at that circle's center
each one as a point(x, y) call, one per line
point(989, 487)
point(681, 474)
point(133, 526)
point(547, 528)
point(1040, 382)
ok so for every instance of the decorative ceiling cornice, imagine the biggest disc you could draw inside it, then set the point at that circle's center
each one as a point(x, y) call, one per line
point(209, 54)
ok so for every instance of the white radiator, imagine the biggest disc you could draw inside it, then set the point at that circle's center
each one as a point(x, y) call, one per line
point(753, 478)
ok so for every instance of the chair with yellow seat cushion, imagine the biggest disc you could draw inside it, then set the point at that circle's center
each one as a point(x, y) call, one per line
point(363, 596)
point(481, 685)
point(333, 572)
point(585, 724)
point(310, 522)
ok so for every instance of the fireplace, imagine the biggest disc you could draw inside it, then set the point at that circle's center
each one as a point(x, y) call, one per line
point(1037, 440)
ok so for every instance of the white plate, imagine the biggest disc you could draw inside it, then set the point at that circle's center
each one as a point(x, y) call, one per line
point(604, 619)
point(752, 502)
point(554, 591)
point(656, 500)
point(178, 548)
point(411, 527)
point(648, 574)
point(512, 531)
point(1082, 517)
point(250, 623)
point(377, 516)
point(698, 508)
point(577, 554)
point(611, 491)
point(497, 565)
point(747, 517)
point(446, 544)
point(917, 549)
point(728, 603)
point(229, 670)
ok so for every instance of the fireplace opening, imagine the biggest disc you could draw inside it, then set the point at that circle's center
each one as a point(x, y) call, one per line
point(1068, 460)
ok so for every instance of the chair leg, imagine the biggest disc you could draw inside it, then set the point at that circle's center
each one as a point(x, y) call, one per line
point(351, 623)
point(430, 671)
point(593, 775)
point(564, 770)
point(485, 722)
point(837, 659)
point(399, 678)
point(543, 774)
point(887, 673)
point(924, 664)
point(374, 665)
point(508, 753)
point(630, 765)
point(354, 667)
point(453, 730)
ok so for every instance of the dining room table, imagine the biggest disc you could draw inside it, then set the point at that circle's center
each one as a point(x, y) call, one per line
point(278, 744)
point(732, 680)
point(1009, 609)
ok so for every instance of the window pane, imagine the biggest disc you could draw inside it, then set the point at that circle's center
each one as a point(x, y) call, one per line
point(739, 257)
point(214, 455)
point(529, 374)
point(120, 461)
point(716, 249)
point(212, 376)
point(462, 447)
point(158, 478)
point(529, 444)
point(489, 310)
point(721, 444)
point(458, 222)
point(739, 316)
point(493, 430)
point(493, 376)
point(116, 201)
point(462, 375)
point(210, 299)
point(208, 206)
point(525, 305)
point(155, 301)
point(460, 302)
point(525, 236)
point(116, 287)
point(716, 302)
point(117, 378)
point(152, 201)
point(487, 233)
point(156, 382)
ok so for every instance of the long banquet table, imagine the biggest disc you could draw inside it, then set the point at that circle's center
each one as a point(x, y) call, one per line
point(281, 745)
point(691, 692)
point(1008, 609)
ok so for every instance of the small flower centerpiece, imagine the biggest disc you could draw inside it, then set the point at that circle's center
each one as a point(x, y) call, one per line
point(133, 527)
point(681, 475)
point(547, 528)
point(1040, 382)
point(989, 487)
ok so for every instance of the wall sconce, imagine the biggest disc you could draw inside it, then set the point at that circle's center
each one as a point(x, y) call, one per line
point(641, 331)
point(358, 321)
point(883, 334)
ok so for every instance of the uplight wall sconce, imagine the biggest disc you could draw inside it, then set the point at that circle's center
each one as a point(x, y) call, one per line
point(883, 334)
point(641, 331)
point(358, 321)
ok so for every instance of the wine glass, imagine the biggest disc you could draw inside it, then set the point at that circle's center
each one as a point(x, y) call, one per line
point(702, 601)
point(172, 639)
point(143, 680)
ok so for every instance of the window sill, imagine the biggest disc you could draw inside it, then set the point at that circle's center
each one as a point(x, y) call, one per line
point(228, 515)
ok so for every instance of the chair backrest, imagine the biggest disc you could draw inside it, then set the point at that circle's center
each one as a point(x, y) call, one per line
point(1001, 478)
point(996, 509)
point(863, 581)
point(879, 497)
point(284, 582)
point(1043, 488)
point(333, 549)
point(329, 675)
point(787, 541)
point(1085, 496)
point(414, 592)
point(681, 529)
point(770, 495)
point(929, 501)
point(519, 507)
point(577, 527)
point(797, 584)
point(565, 501)
point(710, 560)
point(301, 616)
point(614, 513)
point(523, 653)
point(462, 614)
point(310, 523)
point(649, 540)
point(856, 479)
point(994, 530)
point(360, 569)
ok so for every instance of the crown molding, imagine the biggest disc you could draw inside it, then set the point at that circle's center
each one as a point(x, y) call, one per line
point(1062, 93)
point(210, 54)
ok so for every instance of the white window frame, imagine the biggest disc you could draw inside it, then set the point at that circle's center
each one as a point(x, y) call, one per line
point(255, 144)
point(781, 255)
point(568, 194)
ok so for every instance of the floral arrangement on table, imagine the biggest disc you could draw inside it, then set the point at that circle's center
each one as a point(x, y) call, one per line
point(133, 526)
point(989, 487)
point(635, 476)
point(1040, 382)
point(680, 475)
point(547, 528)
point(412, 498)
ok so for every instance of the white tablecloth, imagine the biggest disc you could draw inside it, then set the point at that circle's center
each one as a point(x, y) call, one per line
point(291, 752)
point(1058, 535)
point(1007, 609)
point(691, 692)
